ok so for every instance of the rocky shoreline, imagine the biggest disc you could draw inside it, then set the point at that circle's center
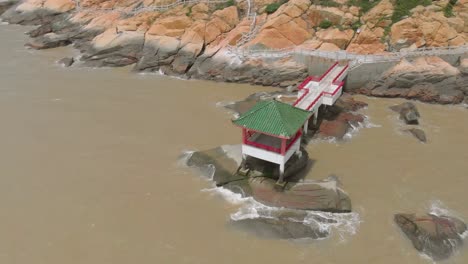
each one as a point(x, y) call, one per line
point(193, 41)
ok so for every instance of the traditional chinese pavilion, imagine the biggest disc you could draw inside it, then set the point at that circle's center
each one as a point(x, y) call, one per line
point(272, 131)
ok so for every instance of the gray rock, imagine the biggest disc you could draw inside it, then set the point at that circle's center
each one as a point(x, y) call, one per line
point(221, 165)
point(408, 112)
point(436, 236)
point(418, 133)
point(125, 49)
point(5, 5)
point(66, 62)
point(49, 40)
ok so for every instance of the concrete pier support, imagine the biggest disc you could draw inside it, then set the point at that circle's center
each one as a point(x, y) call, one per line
point(315, 118)
point(281, 175)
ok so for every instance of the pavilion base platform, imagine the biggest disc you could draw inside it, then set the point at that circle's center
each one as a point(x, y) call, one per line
point(258, 167)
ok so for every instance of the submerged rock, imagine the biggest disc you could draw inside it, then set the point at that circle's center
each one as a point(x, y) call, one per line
point(408, 113)
point(66, 62)
point(436, 236)
point(283, 224)
point(307, 195)
point(418, 133)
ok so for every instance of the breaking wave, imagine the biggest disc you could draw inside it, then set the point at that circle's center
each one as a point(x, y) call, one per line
point(341, 224)
point(355, 128)
point(438, 208)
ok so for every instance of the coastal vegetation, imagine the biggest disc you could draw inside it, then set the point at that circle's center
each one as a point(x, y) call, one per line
point(448, 9)
point(271, 8)
point(365, 5)
point(403, 8)
point(325, 24)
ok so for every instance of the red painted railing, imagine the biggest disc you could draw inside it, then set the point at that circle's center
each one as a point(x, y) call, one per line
point(300, 98)
point(273, 149)
point(263, 146)
point(314, 102)
point(340, 85)
point(305, 82)
point(328, 71)
point(341, 72)
point(315, 78)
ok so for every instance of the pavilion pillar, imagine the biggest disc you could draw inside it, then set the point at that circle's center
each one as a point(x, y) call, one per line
point(306, 126)
point(283, 146)
point(315, 117)
point(281, 175)
point(244, 135)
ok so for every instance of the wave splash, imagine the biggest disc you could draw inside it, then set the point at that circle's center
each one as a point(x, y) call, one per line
point(326, 224)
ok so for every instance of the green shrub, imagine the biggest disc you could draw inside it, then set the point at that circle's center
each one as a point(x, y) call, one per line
point(271, 8)
point(448, 9)
point(330, 3)
point(225, 4)
point(356, 25)
point(325, 24)
point(403, 8)
point(189, 12)
point(365, 5)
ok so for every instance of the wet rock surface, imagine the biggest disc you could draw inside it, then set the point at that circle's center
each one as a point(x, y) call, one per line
point(337, 120)
point(418, 133)
point(436, 236)
point(408, 113)
point(221, 164)
point(283, 224)
point(66, 62)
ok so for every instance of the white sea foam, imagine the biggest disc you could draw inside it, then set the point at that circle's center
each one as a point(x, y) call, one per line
point(439, 209)
point(343, 224)
point(464, 235)
point(186, 155)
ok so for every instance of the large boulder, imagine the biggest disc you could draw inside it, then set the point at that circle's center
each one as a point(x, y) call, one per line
point(435, 236)
point(427, 27)
point(5, 5)
point(335, 36)
point(285, 28)
point(306, 195)
point(428, 79)
point(113, 48)
point(221, 165)
point(418, 133)
point(408, 113)
point(380, 15)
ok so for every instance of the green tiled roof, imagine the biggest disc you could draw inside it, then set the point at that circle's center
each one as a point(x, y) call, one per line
point(274, 118)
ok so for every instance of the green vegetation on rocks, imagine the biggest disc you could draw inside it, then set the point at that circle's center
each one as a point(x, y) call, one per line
point(448, 10)
point(365, 5)
point(329, 3)
point(325, 24)
point(225, 4)
point(403, 8)
point(271, 8)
